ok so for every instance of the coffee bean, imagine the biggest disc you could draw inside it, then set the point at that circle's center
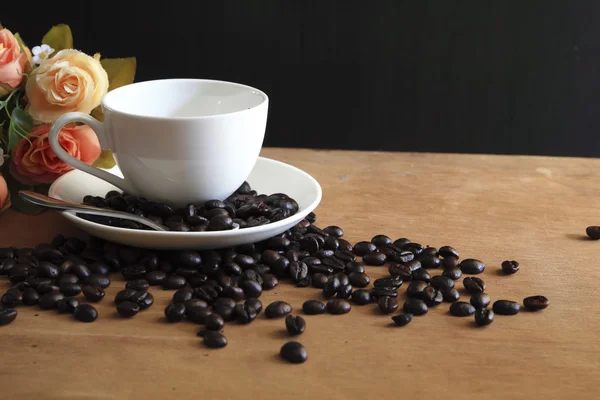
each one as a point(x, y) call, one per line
point(393, 253)
point(7, 252)
point(448, 252)
point(334, 231)
point(93, 293)
point(461, 309)
point(80, 270)
point(128, 309)
point(175, 312)
point(354, 266)
point(46, 287)
point(359, 280)
point(21, 286)
point(402, 319)
point(156, 278)
point(453, 273)
point(7, 315)
point(474, 284)
point(334, 263)
point(220, 222)
point(343, 278)
point(429, 261)
point(313, 307)
point(50, 300)
point(12, 298)
point(440, 281)
point(362, 248)
point(99, 268)
point(480, 300)
point(278, 309)
point(388, 281)
point(310, 244)
point(384, 291)
point(66, 279)
point(85, 313)
point(413, 247)
point(97, 280)
point(432, 296)
point(30, 297)
point(48, 270)
point(536, 303)
point(146, 301)
point(381, 240)
point(345, 245)
point(414, 306)
point(19, 273)
point(298, 271)
point(138, 284)
point(338, 306)
point(483, 316)
point(269, 281)
point(295, 325)
point(450, 262)
point(214, 339)
point(254, 303)
point(361, 297)
point(387, 304)
point(244, 314)
point(374, 258)
point(400, 270)
point(471, 266)
point(278, 243)
point(593, 232)
point(344, 292)
point(421, 274)
point(67, 305)
point(197, 314)
point(415, 289)
point(293, 352)
point(125, 295)
point(414, 265)
point(214, 322)
point(329, 243)
point(251, 288)
point(506, 307)
point(236, 293)
point(450, 295)
point(319, 280)
point(331, 287)
point(510, 267)
point(174, 282)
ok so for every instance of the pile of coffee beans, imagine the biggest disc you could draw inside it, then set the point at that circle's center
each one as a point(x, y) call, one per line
point(216, 287)
point(245, 208)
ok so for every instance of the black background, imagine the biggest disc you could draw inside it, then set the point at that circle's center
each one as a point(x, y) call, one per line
point(511, 77)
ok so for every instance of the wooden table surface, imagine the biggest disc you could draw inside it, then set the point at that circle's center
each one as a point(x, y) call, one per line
point(531, 209)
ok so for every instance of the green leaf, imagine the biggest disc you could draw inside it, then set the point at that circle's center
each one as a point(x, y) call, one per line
point(120, 71)
point(22, 44)
point(106, 160)
point(59, 38)
point(20, 124)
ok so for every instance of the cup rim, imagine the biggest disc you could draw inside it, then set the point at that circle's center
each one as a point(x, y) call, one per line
point(114, 92)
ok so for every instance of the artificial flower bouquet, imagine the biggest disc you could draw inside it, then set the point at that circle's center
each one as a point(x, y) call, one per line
point(37, 86)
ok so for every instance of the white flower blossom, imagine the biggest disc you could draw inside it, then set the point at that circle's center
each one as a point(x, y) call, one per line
point(40, 53)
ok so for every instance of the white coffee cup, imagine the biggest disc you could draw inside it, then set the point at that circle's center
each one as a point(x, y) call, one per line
point(176, 141)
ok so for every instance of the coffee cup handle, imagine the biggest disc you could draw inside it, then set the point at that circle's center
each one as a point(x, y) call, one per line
point(105, 143)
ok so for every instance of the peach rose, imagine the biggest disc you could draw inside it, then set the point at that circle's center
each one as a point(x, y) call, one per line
point(3, 192)
point(37, 161)
point(69, 81)
point(12, 62)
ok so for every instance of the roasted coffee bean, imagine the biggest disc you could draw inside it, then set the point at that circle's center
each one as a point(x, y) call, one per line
point(400, 270)
point(480, 300)
point(197, 314)
point(510, 267)
point(136, 271)
point(361, 297)
point(396, 254)
point(381, 240)
point(48, 270)
point(402, 319)
point(313, 307)
point(251, 288)
point(223, 302)
point(336, 264)
point(312, 261)
point(448, 251)
point(421, 274)
point(138, 284)
point(175, 312)
point(304, 282)
point(278, 243)
point(415, 289)
point(293, 352)
point(450, 262)
point(66, 279)
point(269, 281)
point(201, 303)
point(70, 289)
point(429, 261)
point(414, 306)
point(354, 266)
point(344, 292)
point(319, 280)
point(189, 259)
point(536, 303)
point(414, 265)
point(461, 309)
point(329, 243)
point(80, 270)
point(384, 291)
point(220, 222)
point(310, 244)
point(236, 293)
point(30, 297)
point(252, 275)
point(214, 322)
point(156, 278)
point(145, 300)
point(278, 309)
point(440, 281)
point(188, 273)
point(593, 232)
point(453, 273)
point(208, 293)
point(359, 280)
point(67, 306)
point(430, 251)
point(270, 257)
point(93, 293)
point(295, 325)
point(322, 269)
point(450, 295)
point(343, 278)
point(483, 316)
point(46, 287)
point(182, 295)
point(174, 282)
point(374, 258)
point(25, 284)
point(19, 273)
point(474, 284)
point(401, 242)
point(244, 314)
point(12, 298)
point(298, 271)
point(331, 287)
point(281, 267)
point(7, 252)
point(99, 268)
point(345, 245)
point(50, 300)
point(432, 296)
point(362, 248)
point(345, 256)
point(334, 231)
point(471, 266)
point(387, 304)
point(6, 265)
point(7, 315)
point(388, 281)
point(97, 280)
point(254, 303)
point(125, 295)
point(338, 306)
point(128, 309)
point(85, 313)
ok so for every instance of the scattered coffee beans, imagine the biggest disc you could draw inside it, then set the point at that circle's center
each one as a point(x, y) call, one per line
point(471, 266)
point(85, 313)
point(414, 306)
point(510, 267)
point(7, 315)
point(67, 306)
point(536, 303)
point(461, 309)
point(361, 297)
point(128, 309)
point(474, 284)
point(593, 232)
point(175, 312)
point(93, 293)
point(480, 300)
point(278, 309)
point(450, 295)
point(402, 319)
point(314, 307)
point(387, 304)
point(295, 325)
point(338, 306)
point(214, 339)
point(293, 352)
point(483, 316)
point(215, 322)
point(506, 307)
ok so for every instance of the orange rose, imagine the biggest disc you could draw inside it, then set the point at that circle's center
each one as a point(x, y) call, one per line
point(69, 81)
point(3, 192)
point(37, 161)
point(12, 62)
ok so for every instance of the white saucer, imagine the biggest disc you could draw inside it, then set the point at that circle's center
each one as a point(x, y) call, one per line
point(268, 177)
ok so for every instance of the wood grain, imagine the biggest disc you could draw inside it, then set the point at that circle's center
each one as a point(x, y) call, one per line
point(530, 209)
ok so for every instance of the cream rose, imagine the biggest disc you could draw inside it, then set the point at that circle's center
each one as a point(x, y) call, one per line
point(69, 81)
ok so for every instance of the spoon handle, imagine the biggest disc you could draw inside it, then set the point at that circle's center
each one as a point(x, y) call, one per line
point(57, 204)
